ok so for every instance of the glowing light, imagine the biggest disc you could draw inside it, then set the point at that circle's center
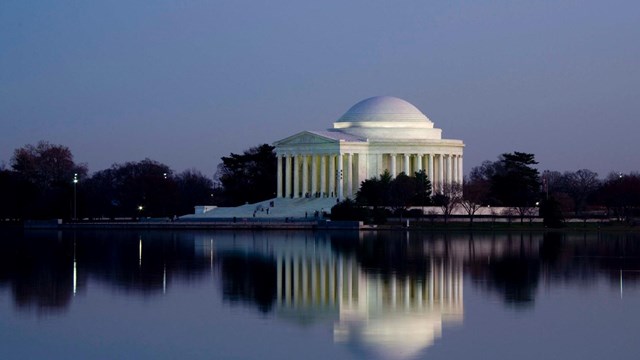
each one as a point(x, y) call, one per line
point(164, 279)
point(75, 278)
point(140, 253)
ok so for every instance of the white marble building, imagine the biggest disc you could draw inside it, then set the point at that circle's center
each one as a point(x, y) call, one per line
point(378, 134)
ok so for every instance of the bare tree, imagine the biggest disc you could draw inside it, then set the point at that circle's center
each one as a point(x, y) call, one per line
point(579, 186)
point(552, 182)
point(448, 198)
point(474, 193)
point(525, 211)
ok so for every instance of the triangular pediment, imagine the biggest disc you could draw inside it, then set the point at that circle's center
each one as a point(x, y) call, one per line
point(306, 138)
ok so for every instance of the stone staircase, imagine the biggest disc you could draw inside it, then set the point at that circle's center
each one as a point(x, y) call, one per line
point(298, 208)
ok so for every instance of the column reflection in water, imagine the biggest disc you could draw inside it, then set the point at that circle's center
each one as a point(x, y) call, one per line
point(393, 314)
point(400, 316)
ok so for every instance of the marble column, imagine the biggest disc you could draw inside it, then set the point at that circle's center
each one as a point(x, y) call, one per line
point(340, 177)
point(349, 177)
point(305, 175)
point(296, 176)
point(430, 172)
point(287, 181)
point(454, 167)
point(323, 174)
point(450, 169)
point(333, 191)
point(393, 165)
point(460, 169)
point(279, 191)
point(440, 172)
point(406, 164)
point(314, 175)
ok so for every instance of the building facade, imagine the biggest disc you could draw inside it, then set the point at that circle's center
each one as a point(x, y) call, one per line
point(377, 134)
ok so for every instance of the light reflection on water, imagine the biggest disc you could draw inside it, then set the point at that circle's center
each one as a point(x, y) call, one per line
point(317, 295)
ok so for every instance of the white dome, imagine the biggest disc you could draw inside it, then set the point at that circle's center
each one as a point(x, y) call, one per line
point(383, 109)
point(386, 118)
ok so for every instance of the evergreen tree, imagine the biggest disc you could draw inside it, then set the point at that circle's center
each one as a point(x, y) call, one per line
point(249, 177)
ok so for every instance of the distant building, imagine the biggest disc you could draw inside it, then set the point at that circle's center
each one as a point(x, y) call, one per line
point(378, 134)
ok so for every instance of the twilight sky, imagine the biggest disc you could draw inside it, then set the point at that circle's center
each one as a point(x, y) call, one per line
point(185, 82)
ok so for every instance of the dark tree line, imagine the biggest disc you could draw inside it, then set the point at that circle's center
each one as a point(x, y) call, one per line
point(511, 182)
point(382, 192)
point(40, 185)
point(143, 189)
point(401, 192)
point(620, 194)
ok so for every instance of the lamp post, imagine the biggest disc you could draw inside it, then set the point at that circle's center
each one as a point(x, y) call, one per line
point(75, 182)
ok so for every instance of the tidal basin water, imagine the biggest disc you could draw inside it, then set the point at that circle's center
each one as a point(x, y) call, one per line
point(310, 295)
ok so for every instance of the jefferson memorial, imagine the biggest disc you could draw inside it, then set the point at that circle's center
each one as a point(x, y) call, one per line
point(318, 168)
point(378, 134)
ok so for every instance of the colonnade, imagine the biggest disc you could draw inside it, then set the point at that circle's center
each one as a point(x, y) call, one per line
point(304, 280)
point(317, 175)
point(441, 168)
point(339, 175)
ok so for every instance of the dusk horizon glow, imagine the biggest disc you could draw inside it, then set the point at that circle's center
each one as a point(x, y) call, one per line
point(187, 82)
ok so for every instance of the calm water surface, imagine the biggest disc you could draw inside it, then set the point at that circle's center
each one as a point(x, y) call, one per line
point(281, 295)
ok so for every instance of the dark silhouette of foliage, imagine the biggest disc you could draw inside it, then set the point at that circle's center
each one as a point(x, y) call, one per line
point(15, 195)
point(132, 189)
point(402, 192)
point(475, 193)
point(551, 213)
point(512, 180)
point(572, 190)
point(375, 192)
point(398, 193)
point(422, 196)
point(249, 177)
point(621, 195)
point(348, 210)
point(43, 178)
point(515, 182)
point(580, 185)
point(193, 189)
point(448, 198)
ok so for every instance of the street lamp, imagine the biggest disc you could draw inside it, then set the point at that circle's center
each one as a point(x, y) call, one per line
point(75, 182)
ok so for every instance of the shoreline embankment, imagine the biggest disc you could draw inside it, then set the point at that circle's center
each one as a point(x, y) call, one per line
point(319, 224)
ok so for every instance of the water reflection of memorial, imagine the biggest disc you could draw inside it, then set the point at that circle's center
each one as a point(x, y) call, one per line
point(349, 279)
point(393, 314)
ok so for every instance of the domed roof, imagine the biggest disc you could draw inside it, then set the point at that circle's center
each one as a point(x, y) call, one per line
point(383, 109)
